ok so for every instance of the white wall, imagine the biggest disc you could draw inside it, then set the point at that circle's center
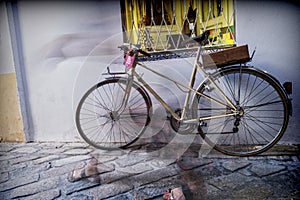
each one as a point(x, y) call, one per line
point(66, 46)
point(6, 58)
point(273, 28)
point(57, 37)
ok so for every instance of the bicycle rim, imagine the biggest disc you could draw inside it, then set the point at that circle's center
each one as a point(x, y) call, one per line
point(263, 110)
point(103, 123)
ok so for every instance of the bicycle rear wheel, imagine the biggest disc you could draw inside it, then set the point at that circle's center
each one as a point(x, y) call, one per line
point(263, 112)
point(104, 123)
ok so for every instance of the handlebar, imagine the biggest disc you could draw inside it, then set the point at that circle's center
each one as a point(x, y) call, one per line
point(144, 52)
point(136, 48)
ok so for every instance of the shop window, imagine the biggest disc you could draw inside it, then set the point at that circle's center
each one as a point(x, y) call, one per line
point(160, 25)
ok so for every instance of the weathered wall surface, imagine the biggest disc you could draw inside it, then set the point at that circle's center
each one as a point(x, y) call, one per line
point(273, 27)
point(67, 45)
point(11, 124)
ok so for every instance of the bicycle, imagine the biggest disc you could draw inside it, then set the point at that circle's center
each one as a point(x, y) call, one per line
point(239, 110)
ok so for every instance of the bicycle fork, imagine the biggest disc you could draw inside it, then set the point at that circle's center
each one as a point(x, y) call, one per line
point(127, 89)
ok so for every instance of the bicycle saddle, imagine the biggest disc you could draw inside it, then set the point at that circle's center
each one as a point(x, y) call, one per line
point(200, 39)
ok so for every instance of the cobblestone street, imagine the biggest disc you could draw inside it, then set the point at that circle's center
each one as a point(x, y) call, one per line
point(39, 171)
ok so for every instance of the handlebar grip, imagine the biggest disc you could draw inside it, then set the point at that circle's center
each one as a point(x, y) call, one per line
point(144, 53)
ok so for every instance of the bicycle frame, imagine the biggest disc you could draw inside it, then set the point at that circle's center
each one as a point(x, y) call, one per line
point(183, 118)
point(237, 110)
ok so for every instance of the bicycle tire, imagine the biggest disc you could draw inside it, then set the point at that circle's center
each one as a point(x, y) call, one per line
point(102, 124)
point(263, 107)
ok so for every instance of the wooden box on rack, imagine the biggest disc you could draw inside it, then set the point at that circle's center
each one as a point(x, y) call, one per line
point(230, 56)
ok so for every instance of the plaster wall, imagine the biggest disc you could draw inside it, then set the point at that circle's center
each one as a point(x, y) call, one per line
point(57, 38)
point(11, 124)
point(67, 45)
point(272, 27)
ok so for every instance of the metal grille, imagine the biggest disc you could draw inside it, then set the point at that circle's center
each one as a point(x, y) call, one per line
point(162, 25)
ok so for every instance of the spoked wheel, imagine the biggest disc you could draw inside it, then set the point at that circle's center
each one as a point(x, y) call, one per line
point(262, 115)
point(104, 122)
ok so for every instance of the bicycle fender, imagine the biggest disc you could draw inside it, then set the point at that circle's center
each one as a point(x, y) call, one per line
point(113, 77)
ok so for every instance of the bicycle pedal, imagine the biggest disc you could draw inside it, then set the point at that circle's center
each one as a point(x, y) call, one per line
point(203, 124)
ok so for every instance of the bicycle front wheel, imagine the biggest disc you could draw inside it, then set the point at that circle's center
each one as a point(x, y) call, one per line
point(262, 111)
point(104, 122)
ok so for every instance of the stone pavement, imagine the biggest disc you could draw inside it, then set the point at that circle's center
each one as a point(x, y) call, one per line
point(39, 171)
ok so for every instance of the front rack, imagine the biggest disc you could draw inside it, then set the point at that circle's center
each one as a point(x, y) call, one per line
point(114, 74)
point(221, 55)
point(190, 51)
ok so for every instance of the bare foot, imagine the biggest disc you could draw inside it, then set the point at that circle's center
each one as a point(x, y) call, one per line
point(90, 171)
point(76, 175)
